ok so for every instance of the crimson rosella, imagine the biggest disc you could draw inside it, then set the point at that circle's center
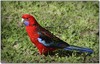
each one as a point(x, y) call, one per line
point(44, 40)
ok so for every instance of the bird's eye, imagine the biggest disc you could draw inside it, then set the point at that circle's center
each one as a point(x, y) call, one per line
point(27, 18)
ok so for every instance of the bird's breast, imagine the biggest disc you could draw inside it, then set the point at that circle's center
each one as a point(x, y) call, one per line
point(32, 32)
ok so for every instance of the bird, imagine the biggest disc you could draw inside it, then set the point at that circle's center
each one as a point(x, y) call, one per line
point(44, 40)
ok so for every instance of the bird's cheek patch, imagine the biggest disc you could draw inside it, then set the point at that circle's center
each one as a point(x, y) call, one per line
point(26, 23)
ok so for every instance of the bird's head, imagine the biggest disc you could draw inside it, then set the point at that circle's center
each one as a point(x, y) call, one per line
point(28, 20)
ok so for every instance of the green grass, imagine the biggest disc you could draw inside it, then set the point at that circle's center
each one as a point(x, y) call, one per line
point(76, 23)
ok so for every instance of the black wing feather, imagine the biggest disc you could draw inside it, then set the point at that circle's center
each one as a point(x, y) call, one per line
point(51, 41)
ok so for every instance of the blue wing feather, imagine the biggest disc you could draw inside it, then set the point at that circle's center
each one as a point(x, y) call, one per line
point(44, 42)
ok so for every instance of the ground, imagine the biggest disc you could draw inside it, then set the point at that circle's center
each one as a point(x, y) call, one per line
point(76, 23)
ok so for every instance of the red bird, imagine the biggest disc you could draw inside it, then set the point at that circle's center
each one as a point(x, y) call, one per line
point(44, 40)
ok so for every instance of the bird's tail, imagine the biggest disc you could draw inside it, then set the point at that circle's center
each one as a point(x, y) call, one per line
point(80, 49)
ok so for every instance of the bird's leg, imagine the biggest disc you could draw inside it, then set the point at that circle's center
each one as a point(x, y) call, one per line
point(84, 59)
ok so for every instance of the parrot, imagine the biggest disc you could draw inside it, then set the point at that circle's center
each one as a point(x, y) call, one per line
point(44, 40)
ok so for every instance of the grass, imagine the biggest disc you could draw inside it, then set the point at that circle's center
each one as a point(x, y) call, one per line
point(76, 23)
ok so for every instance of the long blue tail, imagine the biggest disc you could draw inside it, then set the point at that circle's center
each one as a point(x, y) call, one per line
point(80, 49)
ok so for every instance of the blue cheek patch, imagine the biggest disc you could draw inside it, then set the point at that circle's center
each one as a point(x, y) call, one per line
point(26, 23)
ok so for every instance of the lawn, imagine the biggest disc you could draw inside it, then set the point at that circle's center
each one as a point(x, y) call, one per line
point(76, 23)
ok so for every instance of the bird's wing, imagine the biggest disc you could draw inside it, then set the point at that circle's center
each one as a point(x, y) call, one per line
point(48, 39)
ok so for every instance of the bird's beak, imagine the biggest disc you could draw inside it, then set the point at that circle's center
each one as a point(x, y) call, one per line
point(21, 23)
point(22, 20)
